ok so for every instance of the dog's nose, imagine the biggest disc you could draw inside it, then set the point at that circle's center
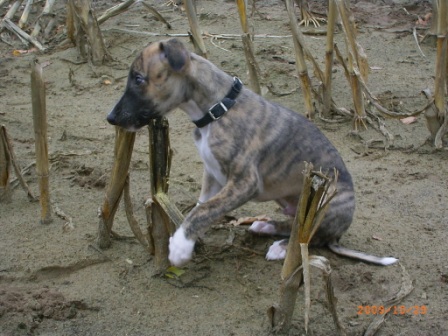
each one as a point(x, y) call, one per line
point(111, 119)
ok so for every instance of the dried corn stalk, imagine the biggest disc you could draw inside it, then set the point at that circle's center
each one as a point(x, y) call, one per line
point(317, 192)
point(41, 144)
point(83, 30)
point(196, 35)
point(300, 59)
point(5, 167)
point(45, 23)
point(437, 119)
point(248, 48)
point(357, 62)
point(7, 158)
point(162, 215)
point(124, 144)
point(332, 16)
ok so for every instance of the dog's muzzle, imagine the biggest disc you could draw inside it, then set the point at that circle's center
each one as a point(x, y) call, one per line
point(132, 112)
point(111, 118)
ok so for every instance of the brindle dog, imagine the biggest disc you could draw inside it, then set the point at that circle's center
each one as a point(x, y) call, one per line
point(252, 149)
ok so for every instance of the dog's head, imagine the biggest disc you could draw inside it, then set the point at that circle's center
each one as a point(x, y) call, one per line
point(156, 85)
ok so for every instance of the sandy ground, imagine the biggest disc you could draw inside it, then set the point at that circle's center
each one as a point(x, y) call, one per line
point(56, 282)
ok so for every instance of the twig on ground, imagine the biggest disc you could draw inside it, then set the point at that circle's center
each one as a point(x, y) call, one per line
point(115, 10)
point(215, 36)
point(405, 290)
point(135, 228)
point(124, 6)
point(414, 33)
point(68, 225)
point(24, 37)
point(156, 13)
point(25, 14)
point(8, 158)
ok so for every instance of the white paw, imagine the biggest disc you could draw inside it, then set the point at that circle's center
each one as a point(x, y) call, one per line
point(386, 261)
point(261, 227)
point(181, 248)
point(277, 251)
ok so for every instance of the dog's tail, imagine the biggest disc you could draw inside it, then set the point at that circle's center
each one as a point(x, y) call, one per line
point(383, 261)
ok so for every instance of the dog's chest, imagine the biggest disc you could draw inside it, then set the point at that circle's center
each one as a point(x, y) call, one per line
point(211, 164)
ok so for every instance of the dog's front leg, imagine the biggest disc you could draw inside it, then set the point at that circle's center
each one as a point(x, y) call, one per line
point(181, 248)
point(210, 187)
point(234, 194)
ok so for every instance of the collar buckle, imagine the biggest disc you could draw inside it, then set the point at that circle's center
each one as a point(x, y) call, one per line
point(217, 111)
point(210, 111)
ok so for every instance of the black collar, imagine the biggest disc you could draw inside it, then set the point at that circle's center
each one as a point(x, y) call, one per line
point(219, 109)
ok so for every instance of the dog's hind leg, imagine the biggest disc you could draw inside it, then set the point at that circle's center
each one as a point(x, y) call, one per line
point(271, 228)
point(277, 251)
point(234, 194)
point(280, 228)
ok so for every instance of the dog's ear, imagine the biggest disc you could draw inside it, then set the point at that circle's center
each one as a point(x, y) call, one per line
point(175, 53)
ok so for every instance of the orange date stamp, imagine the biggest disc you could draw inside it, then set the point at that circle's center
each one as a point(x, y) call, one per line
point(395, 310)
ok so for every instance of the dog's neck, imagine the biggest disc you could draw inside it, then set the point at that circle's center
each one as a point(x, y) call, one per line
point(192, 109)
point(208, 86)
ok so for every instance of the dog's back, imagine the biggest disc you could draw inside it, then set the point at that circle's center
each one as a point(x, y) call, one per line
point(278, 141)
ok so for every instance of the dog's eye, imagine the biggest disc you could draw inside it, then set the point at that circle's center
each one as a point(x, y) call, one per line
point(139, 80)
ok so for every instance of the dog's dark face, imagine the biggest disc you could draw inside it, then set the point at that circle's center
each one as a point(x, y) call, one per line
point(156, 85)
point(133, 110)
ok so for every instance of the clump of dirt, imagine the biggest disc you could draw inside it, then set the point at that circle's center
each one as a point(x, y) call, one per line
point(89, 177)
point(22, 309)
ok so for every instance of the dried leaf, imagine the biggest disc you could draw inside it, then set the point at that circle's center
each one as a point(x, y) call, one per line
point(408, 120)
point(427, 16)
point(174, 272)
point(18, 52)
point(377, 237)
point(250, 220)
point(421, 22)
point(68, 226)
point(363, 62)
